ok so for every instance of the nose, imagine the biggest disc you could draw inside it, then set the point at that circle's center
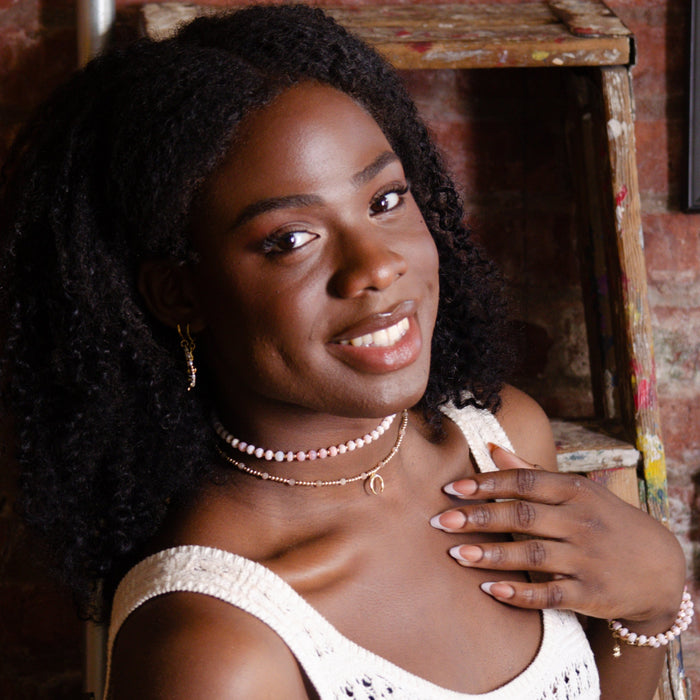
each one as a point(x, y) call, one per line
point(365, 263)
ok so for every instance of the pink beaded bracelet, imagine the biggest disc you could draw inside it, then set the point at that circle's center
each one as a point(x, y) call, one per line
point(622, 634)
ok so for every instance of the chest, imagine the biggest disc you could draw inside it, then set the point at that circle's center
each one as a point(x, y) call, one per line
point(405, 599)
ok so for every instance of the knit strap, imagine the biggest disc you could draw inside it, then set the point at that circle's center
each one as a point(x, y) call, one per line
point(479, 427)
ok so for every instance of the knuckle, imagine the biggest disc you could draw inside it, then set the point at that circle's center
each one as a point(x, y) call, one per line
point(550, 595)
point(497, 554)
point(555, 595)
point(525, 515)
point(530, 596)
point(536, 553)
point(487, 483)
point(592, 526)
point(480, 516)
point(579, 484)
point(525, 481)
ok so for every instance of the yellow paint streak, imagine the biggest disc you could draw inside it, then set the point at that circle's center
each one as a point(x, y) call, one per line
point(540, 55)
point(633, 313)
point(654, 460)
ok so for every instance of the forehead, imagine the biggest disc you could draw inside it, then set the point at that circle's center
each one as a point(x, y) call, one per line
point(306, 136)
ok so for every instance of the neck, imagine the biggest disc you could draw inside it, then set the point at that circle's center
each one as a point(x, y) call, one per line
point(327, 465)
point(261, 520)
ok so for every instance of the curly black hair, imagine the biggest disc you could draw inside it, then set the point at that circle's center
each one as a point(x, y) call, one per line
point(104, 177)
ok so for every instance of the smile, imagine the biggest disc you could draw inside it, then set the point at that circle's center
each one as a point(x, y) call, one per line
point(383, 338)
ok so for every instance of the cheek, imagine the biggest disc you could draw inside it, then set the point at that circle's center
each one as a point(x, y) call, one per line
point(426, 260)
point(256, 320)
point(427, 264)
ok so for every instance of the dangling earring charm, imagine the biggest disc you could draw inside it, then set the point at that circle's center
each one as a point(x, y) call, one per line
point(188, 346)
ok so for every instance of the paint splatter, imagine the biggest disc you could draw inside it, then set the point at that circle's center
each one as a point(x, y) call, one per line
point(654, 461)
point(621, 196)
point(422, 46)
point(634, 313)
point(539, 55)
point(643, 395)
point(614, 128)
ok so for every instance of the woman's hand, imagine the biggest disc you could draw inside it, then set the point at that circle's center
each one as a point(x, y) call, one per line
point(591, 552)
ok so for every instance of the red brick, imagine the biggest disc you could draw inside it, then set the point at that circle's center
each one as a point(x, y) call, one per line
point(652, 158)
point(680, 423)
point(671, 241)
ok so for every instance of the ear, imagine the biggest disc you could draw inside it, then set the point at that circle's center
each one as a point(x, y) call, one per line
point(167, 288)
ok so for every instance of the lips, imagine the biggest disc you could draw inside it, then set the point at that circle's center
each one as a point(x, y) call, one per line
point(383, 338)
point(383, 342)
point(370, 325)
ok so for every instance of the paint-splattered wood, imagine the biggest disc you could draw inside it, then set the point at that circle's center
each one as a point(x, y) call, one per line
point(585, 447)
point(622, 481)
point(639, 374)
point(588, 18)
point(640, 370)
point(486, 35)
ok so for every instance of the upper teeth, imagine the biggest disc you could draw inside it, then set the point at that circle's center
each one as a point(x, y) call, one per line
point(382, 338)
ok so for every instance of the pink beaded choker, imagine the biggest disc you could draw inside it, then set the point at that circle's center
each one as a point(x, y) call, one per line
point(374, 482)
point(289, 456)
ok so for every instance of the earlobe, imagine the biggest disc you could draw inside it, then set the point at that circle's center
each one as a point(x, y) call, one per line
point(168, 291)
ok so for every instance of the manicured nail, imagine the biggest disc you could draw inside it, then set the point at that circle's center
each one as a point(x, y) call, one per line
point(449, 521)
point(463, 487)
point(497, 589)
point(467, 553)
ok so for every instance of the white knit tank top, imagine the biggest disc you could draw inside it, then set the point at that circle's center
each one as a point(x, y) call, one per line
point(563, 668)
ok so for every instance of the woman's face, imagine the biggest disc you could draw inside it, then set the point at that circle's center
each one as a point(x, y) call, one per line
point(317, 277)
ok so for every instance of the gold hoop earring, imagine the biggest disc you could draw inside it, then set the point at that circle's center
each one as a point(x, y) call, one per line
point(188, 346)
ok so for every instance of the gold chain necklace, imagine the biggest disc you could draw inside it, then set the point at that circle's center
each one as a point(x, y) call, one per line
point(374, 481)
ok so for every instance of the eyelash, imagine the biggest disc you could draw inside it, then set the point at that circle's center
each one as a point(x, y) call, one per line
point(269, 244)
point(395, 188)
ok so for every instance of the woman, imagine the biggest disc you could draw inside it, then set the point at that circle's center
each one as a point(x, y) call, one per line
point(254, 354)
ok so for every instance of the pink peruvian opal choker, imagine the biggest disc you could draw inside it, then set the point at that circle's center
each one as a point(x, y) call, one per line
point(289, 456)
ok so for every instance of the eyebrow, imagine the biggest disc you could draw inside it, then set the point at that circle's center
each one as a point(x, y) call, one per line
point(375, 167)
point(262, 206)
point(291, 201)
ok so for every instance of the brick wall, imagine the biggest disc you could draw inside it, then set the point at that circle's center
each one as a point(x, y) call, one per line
point(503, 136)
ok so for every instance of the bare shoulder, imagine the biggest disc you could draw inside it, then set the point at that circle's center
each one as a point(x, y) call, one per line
point(186, 645)
point(527, 427)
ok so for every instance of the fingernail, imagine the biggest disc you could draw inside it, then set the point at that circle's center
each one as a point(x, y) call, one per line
point(467, 553)
point(493, 446)
point(463, 487)
point(498, 589)
point(449, 521)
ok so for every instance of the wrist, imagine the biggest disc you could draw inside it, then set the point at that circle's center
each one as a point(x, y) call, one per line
point(655, 632)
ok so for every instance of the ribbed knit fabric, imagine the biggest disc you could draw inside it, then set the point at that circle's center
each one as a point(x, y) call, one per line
point(563, 669)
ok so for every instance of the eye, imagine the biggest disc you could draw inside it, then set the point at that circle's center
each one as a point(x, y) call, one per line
point(389, 199)
point(288, 241)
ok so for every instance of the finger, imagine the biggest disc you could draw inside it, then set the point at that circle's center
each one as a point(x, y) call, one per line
point(511, 516)
point(502, 459)
point(559, 593)
point(505, 459)
point(544, 556)
point(536, 485)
